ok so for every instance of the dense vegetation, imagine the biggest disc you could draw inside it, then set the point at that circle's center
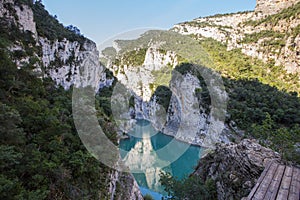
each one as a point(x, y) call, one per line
point(276, 38)
point(162, 77)
point(41, 155)
point(49, 27)
point(237, 66)
point(163, 95)
point(131, 58)
point(259, 91)
point(192, 187)
point(43, 158)
point(271, 38)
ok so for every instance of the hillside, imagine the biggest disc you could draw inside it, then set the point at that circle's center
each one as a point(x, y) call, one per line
point(42, 156)
point(270, 33)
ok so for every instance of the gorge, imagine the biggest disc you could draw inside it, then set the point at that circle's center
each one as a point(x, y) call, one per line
point(224, 88)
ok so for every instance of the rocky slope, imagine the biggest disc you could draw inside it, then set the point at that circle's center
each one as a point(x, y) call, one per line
point(235, 167)
point(269, 7)
point(270, 33)
point(64, 56)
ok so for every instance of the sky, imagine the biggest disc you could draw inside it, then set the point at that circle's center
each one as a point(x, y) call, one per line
point(101, 20)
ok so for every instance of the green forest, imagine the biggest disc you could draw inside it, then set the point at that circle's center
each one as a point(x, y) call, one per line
point(261, 95)
point(41, 154)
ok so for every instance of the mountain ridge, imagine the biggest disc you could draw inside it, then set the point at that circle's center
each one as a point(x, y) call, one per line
point(254, 32)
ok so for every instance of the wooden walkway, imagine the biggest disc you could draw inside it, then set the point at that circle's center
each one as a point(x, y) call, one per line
point(277, 182)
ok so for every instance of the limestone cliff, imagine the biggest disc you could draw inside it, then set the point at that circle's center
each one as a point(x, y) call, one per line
point(66, 61)
point(66, 57)
point(269, 7)
point(270, 33)
point(140, 79)
point(20, 14)
point(71, 63)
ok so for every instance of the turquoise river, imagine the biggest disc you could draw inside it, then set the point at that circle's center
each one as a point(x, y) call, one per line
point(139, 152)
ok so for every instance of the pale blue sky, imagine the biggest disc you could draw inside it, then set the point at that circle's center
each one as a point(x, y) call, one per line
point(100, 20)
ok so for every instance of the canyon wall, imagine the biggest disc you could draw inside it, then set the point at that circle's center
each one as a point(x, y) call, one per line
point(270, 33)
point(166, 97)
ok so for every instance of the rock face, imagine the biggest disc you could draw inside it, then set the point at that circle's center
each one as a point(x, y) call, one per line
point(186, 119)
point(274, 39)
point(183, 118)
point(67, 62)
point(26, 20)
point(235, 167)
point(139, 79)
point(269, 7)
point(123, 186)
point(24, 14)
point(70, 63)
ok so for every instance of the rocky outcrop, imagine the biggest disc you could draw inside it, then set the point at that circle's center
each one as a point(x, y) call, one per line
point(25, 19)
point(186, 119)
point(273, 39)
point(71, 63)
point(19, 14)
point(219, 27)
point(269, 7)
point(235, 167)
point(123, 187)
point(66, 62)
point(171, 105)
point(140, 79)
point(183, 119)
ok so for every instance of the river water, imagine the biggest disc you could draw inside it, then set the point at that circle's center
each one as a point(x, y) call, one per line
point(148, 152)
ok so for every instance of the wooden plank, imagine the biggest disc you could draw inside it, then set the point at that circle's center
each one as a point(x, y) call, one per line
point(262, 176)
point(294, 193)
point(275, 184)
point(261, 191)
point(283, 192)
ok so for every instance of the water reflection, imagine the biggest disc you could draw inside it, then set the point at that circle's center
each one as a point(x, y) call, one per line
point(140, 155)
